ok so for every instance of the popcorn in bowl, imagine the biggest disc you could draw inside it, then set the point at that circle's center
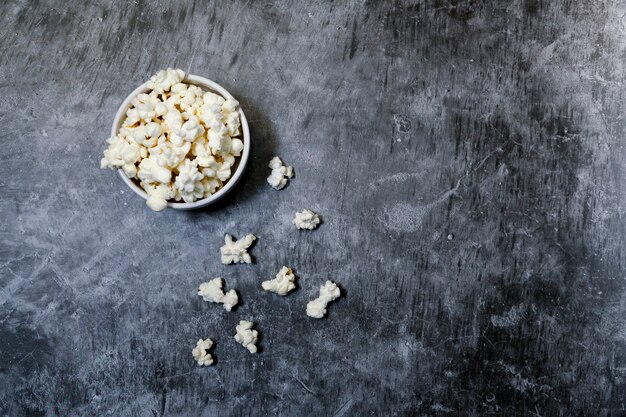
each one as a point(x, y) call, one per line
point(177, 141)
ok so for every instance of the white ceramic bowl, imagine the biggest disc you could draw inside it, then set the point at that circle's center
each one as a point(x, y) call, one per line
point(242, 160)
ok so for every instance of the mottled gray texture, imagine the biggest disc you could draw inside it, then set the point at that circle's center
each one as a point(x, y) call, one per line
point(467, 159)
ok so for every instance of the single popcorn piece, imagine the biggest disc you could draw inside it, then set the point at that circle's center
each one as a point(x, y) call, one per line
point(306, 219)
point(236, 251)
point(328, 292)
point(230, 105)
point(191, 129)
point(210, 185)
point(282, 284)
point(236, 146)
point(179, 88)
point(212, 98)
point(280, 174)
point(200, 150)
point(246, 336)
point(210, 166)
point(145, 111)
point(173, 120)
point(151, 133)
point(219, 140)
point(189, 181)
point(158, 196)
point(156, 202)
point(177, 141)
point(132, 117)
point(150, 171)
point(211, 111)
point(212, 292)
point(200, 352)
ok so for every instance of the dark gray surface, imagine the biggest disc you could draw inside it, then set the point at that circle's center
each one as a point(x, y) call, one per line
point(467, 160)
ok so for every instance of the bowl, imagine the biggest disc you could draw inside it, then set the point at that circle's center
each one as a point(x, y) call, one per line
point(242, 160)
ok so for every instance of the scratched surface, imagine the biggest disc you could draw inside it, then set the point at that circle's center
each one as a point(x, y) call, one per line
point(467, 159)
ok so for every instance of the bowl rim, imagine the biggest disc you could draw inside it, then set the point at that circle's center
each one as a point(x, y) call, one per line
point(245, 133)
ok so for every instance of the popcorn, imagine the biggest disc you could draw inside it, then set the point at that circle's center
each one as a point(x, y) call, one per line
point(228, 160)
point(280, 174)
point(150, 171)
point(328, 292)
point(282, 284)
point(211, 114)
point(160, 109)
point(200, 353)
point(201, 151)
point(236, 251)
point(146, 135)
point(197, 91)
point(210, 166)
point(219, 140)
point(170, 155)
point(132, 117)
point(212, 292)
point(189, 181)
point(177, 140)
point(233, 123)
point(230, 105)
point(191, 98)
point(210, 186)
point(306, 220)
point(211, 98)
point(174, 123)
point(246, 336)
point(236, 146)
point(162, 81)
point(223, 171)
point(171, 101)
point(158, 195)
point(121, 154)
point(152, 131)
point(191, 129)
point(173, 120)
point(179, 88)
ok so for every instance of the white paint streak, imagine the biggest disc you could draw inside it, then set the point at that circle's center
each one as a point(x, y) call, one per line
point(510, 318)
point(406, 217)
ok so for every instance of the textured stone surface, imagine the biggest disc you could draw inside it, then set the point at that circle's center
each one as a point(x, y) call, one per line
point(467, 159)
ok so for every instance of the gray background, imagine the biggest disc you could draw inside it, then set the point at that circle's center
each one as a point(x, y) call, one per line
point(467, 159)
